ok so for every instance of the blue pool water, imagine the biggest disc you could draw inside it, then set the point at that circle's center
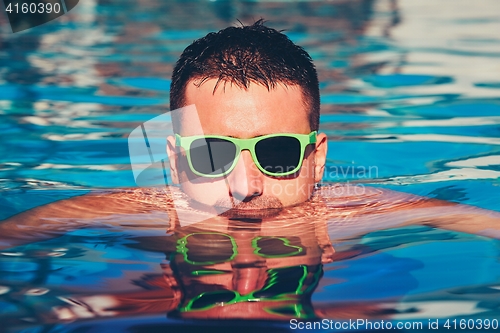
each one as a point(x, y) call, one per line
point(410, 94)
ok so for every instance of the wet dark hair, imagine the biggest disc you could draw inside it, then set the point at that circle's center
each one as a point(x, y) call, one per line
point(244, 54)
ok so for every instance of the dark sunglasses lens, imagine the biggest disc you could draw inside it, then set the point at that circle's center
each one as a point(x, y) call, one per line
point(282, 281)
point(209, 248)
point(212, 156)
point(212, 298)
point(278, 154)
point(276, 247)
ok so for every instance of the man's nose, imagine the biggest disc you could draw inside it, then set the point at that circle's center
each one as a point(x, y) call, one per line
point(245, 181)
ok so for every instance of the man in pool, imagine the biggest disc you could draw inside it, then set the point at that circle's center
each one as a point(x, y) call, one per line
point(256, 95)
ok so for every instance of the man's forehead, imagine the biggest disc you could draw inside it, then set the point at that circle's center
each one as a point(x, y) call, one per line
point(227, 109)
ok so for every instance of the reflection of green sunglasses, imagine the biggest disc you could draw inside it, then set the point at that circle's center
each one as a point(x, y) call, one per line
point(275, 155)
point(204, 248)
point(282, 284)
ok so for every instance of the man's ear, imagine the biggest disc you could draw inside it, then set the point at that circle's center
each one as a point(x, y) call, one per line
point(172, 159)
point(320, 156)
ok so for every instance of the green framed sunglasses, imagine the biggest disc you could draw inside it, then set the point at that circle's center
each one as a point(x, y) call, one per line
point(204, 248)
point(282, 284)
point(276, 155)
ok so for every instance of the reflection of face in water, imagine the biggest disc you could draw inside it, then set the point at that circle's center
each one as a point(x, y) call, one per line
point(247, 271)
point(226, 268)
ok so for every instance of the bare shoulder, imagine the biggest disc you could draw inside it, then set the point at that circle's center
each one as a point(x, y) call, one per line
point(150, 206)
point(100, 203)
point(372, 208)
point(131, 200)
point(369, 200)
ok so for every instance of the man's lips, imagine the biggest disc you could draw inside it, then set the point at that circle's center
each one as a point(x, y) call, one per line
point(250, 213)
point(256, 203)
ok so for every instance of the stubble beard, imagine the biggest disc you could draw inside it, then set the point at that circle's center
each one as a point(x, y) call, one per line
point(255, 208)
